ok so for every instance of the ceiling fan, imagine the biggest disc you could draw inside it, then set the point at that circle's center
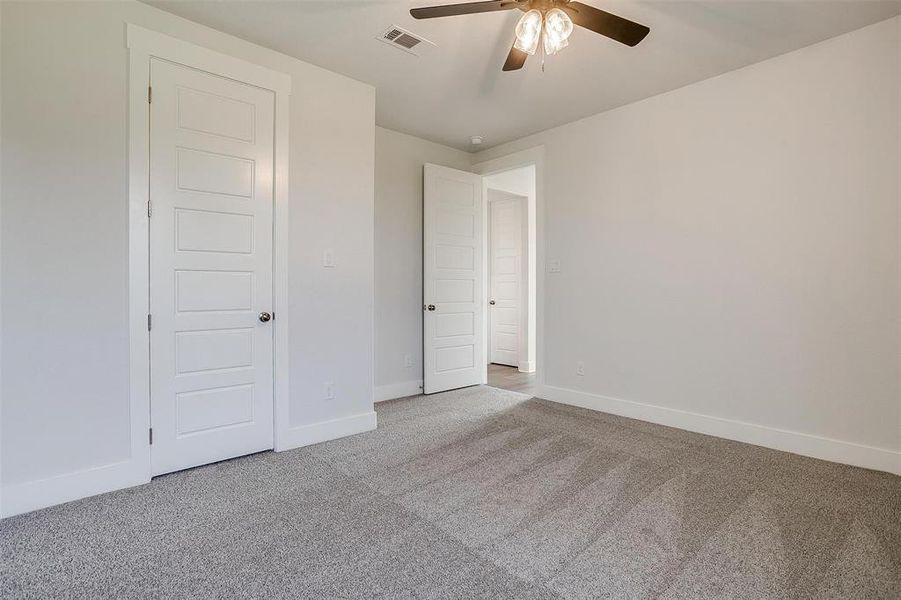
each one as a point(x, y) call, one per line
point(550, 21)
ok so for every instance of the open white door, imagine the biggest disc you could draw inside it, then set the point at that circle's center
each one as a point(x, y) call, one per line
point(452, 279)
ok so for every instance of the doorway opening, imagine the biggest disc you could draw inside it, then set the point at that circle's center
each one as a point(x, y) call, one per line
point(481, 296)
point(511, 278)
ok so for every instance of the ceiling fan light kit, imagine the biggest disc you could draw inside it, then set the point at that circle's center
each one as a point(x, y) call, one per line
point(550, 21)
point(554, 27)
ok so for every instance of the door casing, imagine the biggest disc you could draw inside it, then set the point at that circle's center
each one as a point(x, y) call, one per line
point(142, 45)
point(523, 158)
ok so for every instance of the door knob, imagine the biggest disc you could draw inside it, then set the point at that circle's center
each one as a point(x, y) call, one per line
point(491, 302)
point(431, 307)
point(265, 317)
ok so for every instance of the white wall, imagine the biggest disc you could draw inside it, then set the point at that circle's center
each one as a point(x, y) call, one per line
point(730, 253)
point(64, 238)
point(521, 181)
point(398, 255)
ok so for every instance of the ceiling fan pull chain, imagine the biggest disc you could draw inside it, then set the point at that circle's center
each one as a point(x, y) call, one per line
point(543, 53)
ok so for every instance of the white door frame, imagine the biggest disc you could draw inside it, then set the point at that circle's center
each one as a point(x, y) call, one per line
point(142, 45)
point(524, 158)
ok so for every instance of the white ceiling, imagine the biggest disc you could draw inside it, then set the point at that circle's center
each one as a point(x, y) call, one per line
point(458, 90)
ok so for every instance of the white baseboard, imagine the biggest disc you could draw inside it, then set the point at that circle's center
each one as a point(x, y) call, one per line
point(398, 390)
point(32, 495)
point(527, 366)
point(324, 431)
point(849, 453)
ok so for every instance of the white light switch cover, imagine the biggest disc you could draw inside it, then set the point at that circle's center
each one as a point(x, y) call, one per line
point(328, 259)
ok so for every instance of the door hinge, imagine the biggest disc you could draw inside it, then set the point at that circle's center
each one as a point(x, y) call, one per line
point(149, 209)
point(149, 95)
point(150, 432)
point(149, 322)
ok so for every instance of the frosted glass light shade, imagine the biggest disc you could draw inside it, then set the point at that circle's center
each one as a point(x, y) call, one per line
point(557, 29)
point(528, 32)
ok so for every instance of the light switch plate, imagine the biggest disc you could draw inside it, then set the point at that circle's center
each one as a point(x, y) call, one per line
point(328, 259)
point(553, 266)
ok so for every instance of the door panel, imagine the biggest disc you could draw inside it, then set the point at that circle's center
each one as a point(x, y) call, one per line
point(505, 279)
point(452, 279)
point(211, 165)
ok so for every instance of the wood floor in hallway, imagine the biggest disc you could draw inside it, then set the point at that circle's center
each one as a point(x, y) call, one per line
point(510, 378)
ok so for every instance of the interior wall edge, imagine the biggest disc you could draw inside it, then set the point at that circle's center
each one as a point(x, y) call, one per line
point(415, 138)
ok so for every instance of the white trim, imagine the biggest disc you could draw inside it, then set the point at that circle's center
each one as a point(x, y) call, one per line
point(144, 44)
point(1, 334)
point(32, 495)
point(526, 367)
point(280, 265)
point(151, 43)
point(524, 158)
point(805, 444)
point(138, 270)
point(398, 390)
point(325, 431)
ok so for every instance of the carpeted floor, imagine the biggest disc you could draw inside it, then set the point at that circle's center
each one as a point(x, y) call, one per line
point(477, 493)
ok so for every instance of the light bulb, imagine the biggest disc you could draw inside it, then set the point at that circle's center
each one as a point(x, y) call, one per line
point(528, 32)
point(557, 29)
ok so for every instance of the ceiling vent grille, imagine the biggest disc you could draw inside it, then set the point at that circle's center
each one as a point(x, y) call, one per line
point(404, 40)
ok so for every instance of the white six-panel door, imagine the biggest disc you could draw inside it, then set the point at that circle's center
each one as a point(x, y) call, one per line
point(505, 280)
point(452, 279)
point(211, 194)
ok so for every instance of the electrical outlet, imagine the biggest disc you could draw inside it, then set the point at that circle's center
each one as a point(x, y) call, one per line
point(408, 360)
point(580, 368)
point(329, 390)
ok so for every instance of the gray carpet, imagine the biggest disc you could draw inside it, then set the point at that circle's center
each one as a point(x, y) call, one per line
point(477, 493)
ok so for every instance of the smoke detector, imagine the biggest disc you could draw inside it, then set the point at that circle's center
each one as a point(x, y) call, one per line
point(407, 41)
point(476, 140)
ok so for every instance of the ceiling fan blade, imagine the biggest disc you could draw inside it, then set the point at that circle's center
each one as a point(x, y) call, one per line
point(468, 8)
point(515, 60)
point(617, 28)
